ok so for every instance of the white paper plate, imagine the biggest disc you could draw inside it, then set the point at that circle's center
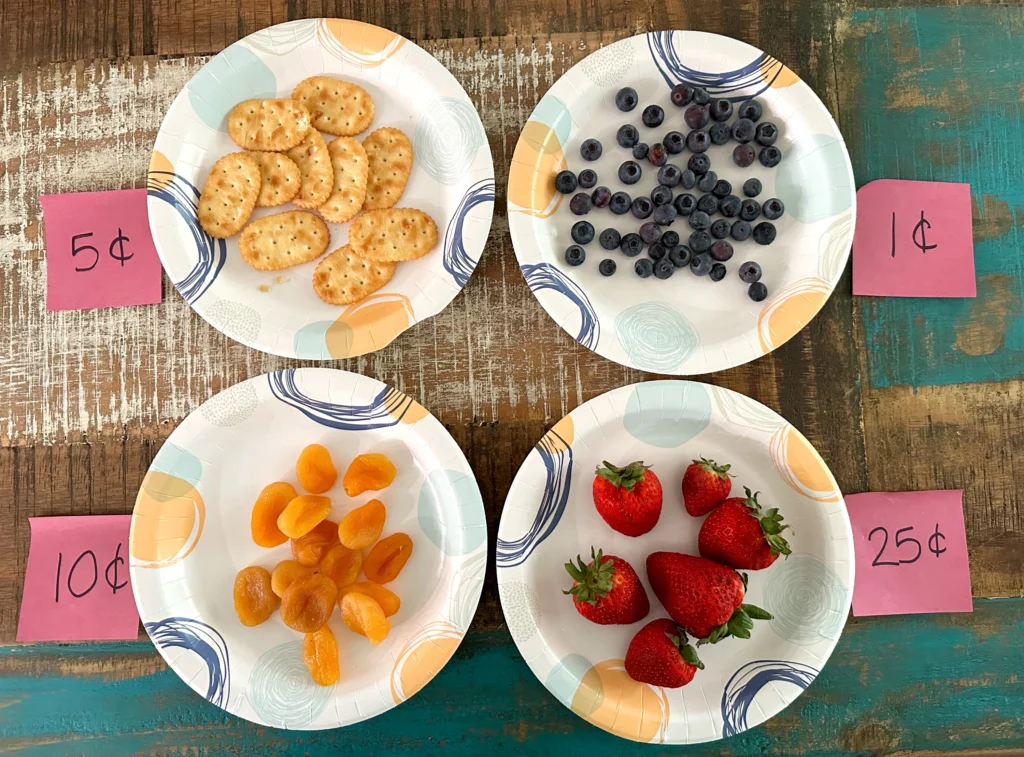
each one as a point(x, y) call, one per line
point(452, 180)
point(685, 325)
point(190, 536)
point(549, 518)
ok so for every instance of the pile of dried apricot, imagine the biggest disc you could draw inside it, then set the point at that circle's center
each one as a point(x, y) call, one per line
point(326, 558)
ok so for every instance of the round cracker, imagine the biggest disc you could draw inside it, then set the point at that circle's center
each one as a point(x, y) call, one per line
point(279, 179)
point(314, 164)
point(389, 157)
point(229, 195)
point(338, 107)
point(275, 125)
point(343, 277)
point(348, 161)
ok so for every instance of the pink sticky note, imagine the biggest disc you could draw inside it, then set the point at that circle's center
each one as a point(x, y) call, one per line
point(911, 553)
point(76, 583)
point(99, 251)
point(913, 239)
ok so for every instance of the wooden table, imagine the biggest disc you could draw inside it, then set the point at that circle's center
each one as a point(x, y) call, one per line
point(895, 394)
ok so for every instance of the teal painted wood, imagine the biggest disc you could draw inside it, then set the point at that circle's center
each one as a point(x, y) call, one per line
point(940, 683)
point(934, 94)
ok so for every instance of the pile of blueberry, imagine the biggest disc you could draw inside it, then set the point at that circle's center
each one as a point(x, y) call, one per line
point(708, 248)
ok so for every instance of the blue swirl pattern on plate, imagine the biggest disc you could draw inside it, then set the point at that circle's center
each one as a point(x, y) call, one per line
point(748, 681)
point(205, 641)
point(456, 260)
point(738, 85)
point(546, 276)
point(181, 195)
point(556, 454)
point(387, 409)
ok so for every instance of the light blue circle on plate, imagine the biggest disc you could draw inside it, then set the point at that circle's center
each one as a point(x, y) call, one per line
point(566, 676)
point(667, 413)
point(281, 691)
point(655, 336)
point(813, 179)
point(236, 74)
point(554, 113)
point(442, 492)
point(175, 461)
point(310, 342)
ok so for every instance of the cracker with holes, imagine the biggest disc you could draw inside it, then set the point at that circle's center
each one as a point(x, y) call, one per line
point(229, 195)
point(348, 160)
point(279, 178)
point(283, 240)
point(314, 164)
point(275, 125)
point(343, 277)
point(338, 107)
point(389, 153)
point(393, 234)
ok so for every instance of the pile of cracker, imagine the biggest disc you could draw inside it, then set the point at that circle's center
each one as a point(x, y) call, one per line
point(287, 160)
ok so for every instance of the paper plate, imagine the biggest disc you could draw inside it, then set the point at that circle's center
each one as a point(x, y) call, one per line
point(190, 536)
point(452, 179)
point(549, 518)
point(684, 325)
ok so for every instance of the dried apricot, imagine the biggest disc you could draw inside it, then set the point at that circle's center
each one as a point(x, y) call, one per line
point(308, 603)
point(302, 514)
point(320, 653)
point(255, 601)
point(269, 505)
point(387, 558)
point(287, 572)
point(370, 472)
point(361, 527)
point(315, 470)
point(341, 565)
point(364, 615)
point(307, 550)
point(387, 599)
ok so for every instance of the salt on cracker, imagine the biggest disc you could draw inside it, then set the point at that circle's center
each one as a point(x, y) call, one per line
point(348, 161)
point(229, 195)
point(283, 240)
point(343, 277)
point(338, 107)
point(394, 234)
point(389, 153)
point(279, 178)
point(314, 164)
point(275, 125)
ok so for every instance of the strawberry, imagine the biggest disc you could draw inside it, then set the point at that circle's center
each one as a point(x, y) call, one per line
point(628, 498)
point(702, 596)
point(607, 590)
point(660, 656)
point(706, 484)
point(739, 535)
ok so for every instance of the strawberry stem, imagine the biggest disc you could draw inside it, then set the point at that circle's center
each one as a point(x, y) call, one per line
point(712, 467)
point(625, 477)
point(686, 651)
point(771, 524)
point(593, 580)
point(739, 625)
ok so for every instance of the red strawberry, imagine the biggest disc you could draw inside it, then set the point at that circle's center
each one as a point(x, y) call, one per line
point(706, 484)
point(628, 498)
point(702, 596)
point(606, 590)
point(660, 656)
point(739, 535)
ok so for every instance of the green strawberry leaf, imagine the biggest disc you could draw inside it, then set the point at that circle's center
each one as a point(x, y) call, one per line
point(771, 524)
point(756, 612)
point(593, 580)
point(625, 477)
point(690, 655)
point(710, 466)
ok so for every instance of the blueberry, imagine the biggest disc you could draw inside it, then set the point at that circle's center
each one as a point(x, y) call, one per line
point(661, 195)
point(681, 95)
point(700, 241)
point(743, 156)
point(773, 209)
point(701, 96)
point(643, 267)
point(701, 264)
point(740, 230)
point(588, 178)
point(580, 204)
point(721, 250)
point(720, 133)
point(743, 130)
point(722, 188)
point(718, 272)
point(631, 245)
point(698, 141)
point(669, 239)
point(610, 239)
point(707, 182)
point(750, 209)
point(696, 117)
point(685, 204)
point(674, 143)
point(656, 251)
point(680, 256)
point(629, 172)
point(601, 197)
point(720, 228)
point(657, 155)
point(669, 175)
point(664, 215)
point(766, 133)
point(590, 149)
point(752, 187)
point(708, 203)
point(699, 221)
point(700, 164)
point(620, 203)
point(652, 116)
point(751, 110)
point(729, 206)
point(750, 272)
point(582, 232)
point(566, 182)
point(664, 269)
point(627, 135)
point(640, 150)
point(757, 291)
point(721, 110)
point(607, 267)
point(764, 233)
point(575, 255)
point(770, 156)
point(642, 207)
point(626, 99)
point(688, 180)
point(650, 232)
